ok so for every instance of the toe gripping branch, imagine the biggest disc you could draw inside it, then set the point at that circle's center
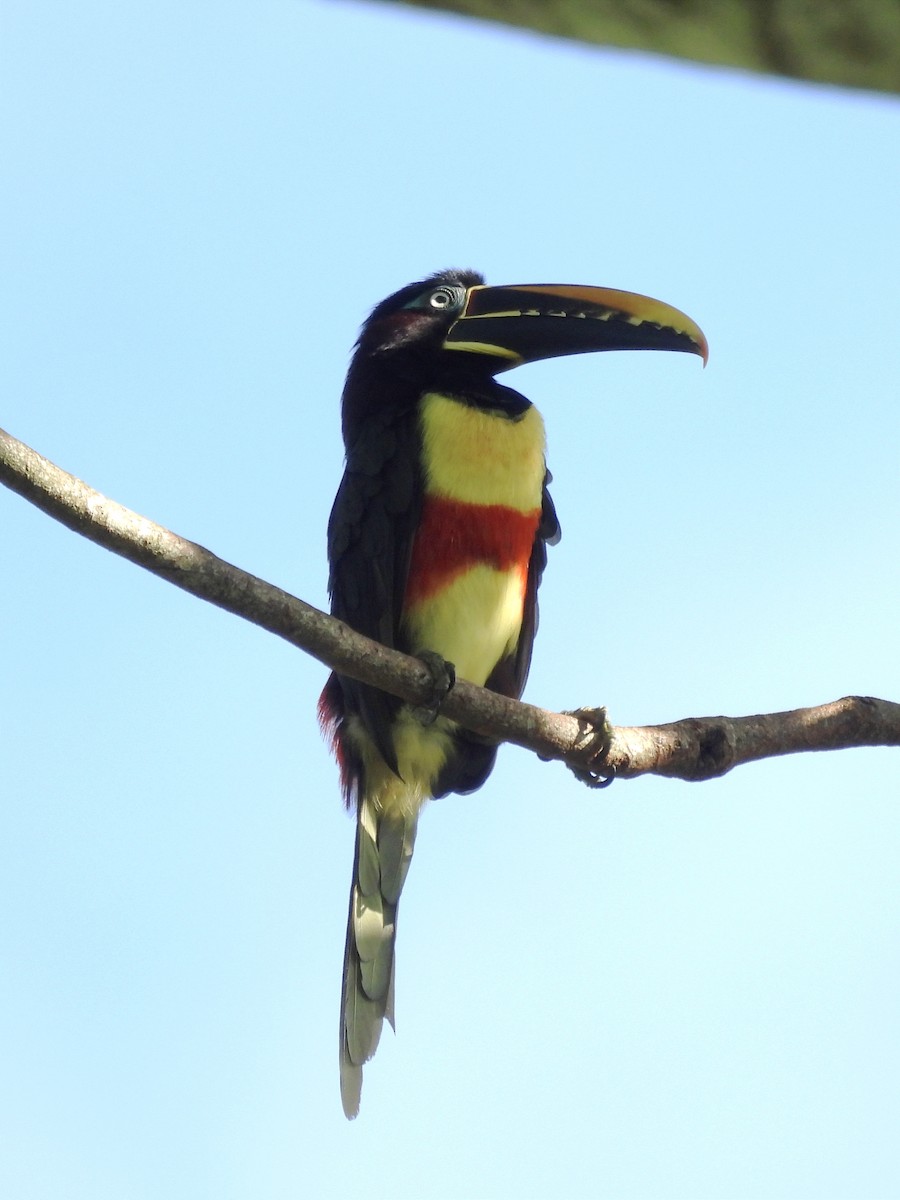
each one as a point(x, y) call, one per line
point(443, 677)
point(594, 743)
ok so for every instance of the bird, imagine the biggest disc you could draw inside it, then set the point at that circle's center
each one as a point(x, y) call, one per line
point(437, 541)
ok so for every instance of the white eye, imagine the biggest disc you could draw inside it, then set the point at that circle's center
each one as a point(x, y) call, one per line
point(443, 298)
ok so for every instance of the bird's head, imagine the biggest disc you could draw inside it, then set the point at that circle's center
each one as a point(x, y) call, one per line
point(455, 317)
point(413, 322)
point(451, 330)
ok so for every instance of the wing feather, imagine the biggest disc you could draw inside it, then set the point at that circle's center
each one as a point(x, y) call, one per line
point(370, 538)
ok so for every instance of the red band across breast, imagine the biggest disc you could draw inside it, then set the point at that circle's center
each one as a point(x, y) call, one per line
point(454, 536)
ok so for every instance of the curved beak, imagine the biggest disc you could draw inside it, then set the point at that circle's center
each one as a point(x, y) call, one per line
point(523, 323)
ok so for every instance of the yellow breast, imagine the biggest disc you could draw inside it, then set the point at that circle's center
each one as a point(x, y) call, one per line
point(481, 457)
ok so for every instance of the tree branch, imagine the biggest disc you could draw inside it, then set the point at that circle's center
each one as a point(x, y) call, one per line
point(852, 45)
point(692, 749)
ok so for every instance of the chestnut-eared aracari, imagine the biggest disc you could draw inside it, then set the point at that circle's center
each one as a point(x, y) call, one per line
point(436, 544)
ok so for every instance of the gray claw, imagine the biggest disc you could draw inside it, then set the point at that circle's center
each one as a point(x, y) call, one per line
point(443, 677)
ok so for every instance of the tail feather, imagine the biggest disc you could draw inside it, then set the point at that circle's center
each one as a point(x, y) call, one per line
point(384, 847)
point(396, 842)
point(352, 1056)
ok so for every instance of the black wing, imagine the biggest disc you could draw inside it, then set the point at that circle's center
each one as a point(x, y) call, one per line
point(370, 537)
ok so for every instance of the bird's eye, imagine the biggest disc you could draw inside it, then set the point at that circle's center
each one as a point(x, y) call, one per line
point(448, 298)
point(444, 298)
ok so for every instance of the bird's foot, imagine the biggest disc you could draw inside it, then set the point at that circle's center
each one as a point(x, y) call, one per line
point(443, 677)
point(595, 744)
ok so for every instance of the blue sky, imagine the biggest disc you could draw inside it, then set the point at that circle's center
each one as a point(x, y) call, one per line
point(660, 990)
